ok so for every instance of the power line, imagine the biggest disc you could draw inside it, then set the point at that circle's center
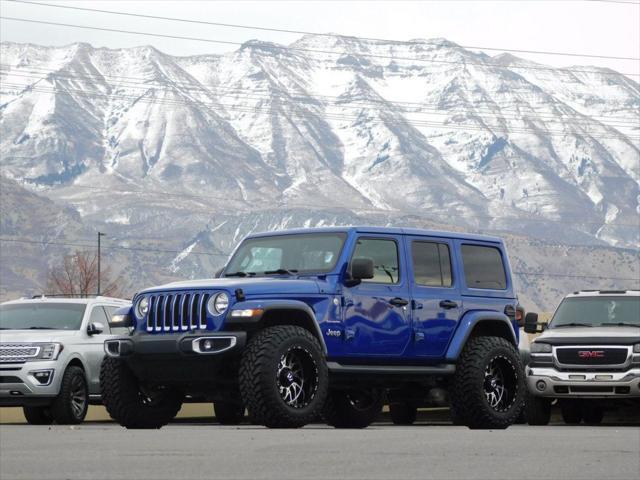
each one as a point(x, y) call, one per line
point(309, 50)
point(622, 2)
point(190, 85)
point(303, 32)
point(420, 108)
point(375, 210)
point(357, 210)
point(108, 247)
point(268, 110)
point(93, 246)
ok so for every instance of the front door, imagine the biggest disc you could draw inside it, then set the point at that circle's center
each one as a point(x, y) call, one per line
point(436, 300)
point(94, 348)
point(376, 316)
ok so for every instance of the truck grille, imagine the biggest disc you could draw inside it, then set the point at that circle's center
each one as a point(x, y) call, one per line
point(177, 312)
point(16, 352)
point(592, 355)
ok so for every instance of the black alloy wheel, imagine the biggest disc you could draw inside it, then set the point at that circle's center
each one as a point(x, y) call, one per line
point(500, 383)
point(297, 377)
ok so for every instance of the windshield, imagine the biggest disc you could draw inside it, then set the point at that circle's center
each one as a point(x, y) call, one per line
point(299, 253)
point(45, 316)
point(597, 311)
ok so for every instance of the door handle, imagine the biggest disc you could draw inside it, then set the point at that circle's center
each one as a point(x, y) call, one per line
point(448, 304)
point(399, 302)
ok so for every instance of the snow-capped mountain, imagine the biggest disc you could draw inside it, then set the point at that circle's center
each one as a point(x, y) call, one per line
point(172, 151)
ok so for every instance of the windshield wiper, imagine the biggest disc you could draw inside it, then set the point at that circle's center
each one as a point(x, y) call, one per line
point(41, 328)
point(621, 324)
point(240, 274)
point(281, 271)
point(572, 325)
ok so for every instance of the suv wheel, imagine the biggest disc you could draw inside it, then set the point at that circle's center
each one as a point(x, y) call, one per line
point(228, 413)
point(130, 403)
point(403, 413)
point(71, 404)
point(571, 411)
point(37, 415)
point(537, 410)
point(488, 386)
point(283, 377)
point(353, 408)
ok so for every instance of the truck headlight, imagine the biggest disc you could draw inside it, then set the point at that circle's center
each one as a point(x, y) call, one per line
point(218, 304)
point(540, 347)
point(49, 351)
point(636, 348)
point(142, 308)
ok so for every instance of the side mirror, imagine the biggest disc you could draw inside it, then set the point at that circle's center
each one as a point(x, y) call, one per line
point(95, 328)
point(361, 268)
point(531, 323)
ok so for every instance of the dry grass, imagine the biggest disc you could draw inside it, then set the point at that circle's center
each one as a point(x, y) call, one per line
point(98, 413)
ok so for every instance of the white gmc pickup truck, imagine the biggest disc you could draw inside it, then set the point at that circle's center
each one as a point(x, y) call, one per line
point(587, 358)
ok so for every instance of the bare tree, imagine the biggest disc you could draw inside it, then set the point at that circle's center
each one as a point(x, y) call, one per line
point(78, 275)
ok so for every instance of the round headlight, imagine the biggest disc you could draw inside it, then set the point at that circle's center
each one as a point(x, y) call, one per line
point(142, 308)
point(218, 304)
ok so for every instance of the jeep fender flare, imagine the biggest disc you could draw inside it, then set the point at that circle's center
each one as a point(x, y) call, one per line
point(494, 321)
point(277, 305)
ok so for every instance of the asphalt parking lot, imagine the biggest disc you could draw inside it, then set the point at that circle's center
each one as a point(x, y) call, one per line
point(207, 451)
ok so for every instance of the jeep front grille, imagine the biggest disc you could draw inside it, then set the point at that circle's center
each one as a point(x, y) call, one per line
point(177, 312)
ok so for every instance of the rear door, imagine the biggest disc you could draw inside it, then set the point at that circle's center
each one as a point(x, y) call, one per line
point(436, 301)
point(376, 313)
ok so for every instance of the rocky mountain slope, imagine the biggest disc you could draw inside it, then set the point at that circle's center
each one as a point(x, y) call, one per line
point(187, 154)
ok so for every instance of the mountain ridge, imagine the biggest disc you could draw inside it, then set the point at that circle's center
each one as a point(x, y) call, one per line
point(448, 138)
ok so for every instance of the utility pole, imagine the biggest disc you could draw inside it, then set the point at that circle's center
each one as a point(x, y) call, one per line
point(100, 234)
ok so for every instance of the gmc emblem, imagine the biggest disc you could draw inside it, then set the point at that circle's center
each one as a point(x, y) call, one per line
point(591, 354)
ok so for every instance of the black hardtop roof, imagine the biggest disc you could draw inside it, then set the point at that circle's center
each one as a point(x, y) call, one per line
point(381, 230)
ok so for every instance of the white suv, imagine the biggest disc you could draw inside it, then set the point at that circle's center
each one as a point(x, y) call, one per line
point(50, 355)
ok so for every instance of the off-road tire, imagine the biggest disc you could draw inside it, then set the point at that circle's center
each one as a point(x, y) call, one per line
point(128, 404)
point(537, 410)
point(71, 405)
point(468, 386)
point(403, 413)
point(571, 411)
point(592, 414)
point(228, 413)
point(342, 410)
point(260, 368)
point(37, 415)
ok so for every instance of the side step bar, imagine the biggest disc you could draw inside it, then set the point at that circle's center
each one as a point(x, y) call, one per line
point(443, 369)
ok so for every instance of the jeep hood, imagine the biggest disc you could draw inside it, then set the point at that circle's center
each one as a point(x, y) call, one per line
point(591, 335)
point(250, 286)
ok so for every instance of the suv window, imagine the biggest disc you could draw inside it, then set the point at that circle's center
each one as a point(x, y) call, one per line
point(384, 254)
point(483, 267)
point(431, 264)
point(98, 315)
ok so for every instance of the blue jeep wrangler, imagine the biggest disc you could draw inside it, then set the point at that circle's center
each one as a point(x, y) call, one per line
point(326, 323)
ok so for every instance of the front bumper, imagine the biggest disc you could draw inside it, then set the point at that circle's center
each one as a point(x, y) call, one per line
point(19, 385)
point(549, 382)
point(193, 344)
